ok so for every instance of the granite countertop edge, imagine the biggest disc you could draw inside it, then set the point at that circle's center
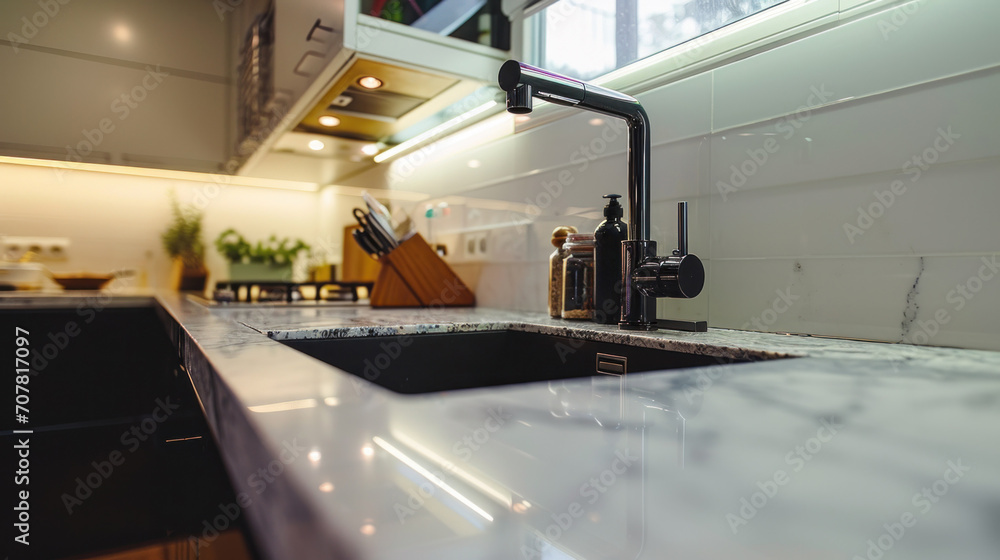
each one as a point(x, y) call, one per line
point(237, 363)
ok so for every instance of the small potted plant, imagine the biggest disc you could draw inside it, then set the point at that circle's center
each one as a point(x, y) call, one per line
point(182, 241)
point(269, 260)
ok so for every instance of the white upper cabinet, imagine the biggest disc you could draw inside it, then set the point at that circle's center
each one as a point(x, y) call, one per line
point(216, 85)
point(116, 81)
point(308, 34)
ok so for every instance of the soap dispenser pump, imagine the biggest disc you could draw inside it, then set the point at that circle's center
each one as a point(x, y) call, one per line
point(608, 263)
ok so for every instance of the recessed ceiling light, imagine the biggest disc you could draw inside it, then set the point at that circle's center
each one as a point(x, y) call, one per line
point(329, 120)
point(370, 82)
point(122, 33)
point(326, 487)
point(316, 145)
point(369, 149)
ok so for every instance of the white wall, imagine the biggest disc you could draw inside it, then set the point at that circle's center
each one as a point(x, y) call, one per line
point(114, 220)
point(842, 112)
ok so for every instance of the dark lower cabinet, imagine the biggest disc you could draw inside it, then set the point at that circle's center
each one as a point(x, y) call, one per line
point(120, 463)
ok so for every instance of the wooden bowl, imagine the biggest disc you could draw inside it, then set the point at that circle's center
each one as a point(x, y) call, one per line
point(82, 281)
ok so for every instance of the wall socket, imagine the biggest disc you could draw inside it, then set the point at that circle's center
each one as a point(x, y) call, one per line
point(45, 248)
point(476, 245)
point(503, 243)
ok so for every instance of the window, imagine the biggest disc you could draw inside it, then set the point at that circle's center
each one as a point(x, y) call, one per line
point(589, 38)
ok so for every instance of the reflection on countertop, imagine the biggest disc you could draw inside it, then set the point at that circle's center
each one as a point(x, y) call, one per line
point(849, 451)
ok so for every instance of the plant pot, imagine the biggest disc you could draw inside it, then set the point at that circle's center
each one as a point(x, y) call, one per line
point(260, 272)
point(188, 279)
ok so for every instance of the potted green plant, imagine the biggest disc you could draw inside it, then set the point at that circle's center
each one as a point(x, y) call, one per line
point(269, 260)
point(182, 241)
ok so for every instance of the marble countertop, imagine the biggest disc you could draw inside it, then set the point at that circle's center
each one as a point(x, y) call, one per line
point(852, 450)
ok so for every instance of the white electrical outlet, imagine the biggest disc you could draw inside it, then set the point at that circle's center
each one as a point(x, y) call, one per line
point(475, 245)
point(44, 248)
point(469, 247)
point(483, 244)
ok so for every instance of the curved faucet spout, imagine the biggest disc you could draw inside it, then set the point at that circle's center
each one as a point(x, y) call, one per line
point(544, 84)
point(522, 82)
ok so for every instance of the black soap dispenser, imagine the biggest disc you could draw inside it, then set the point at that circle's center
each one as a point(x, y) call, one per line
point(608, 263)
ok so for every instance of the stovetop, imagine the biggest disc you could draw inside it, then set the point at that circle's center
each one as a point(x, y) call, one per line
point(272, 293)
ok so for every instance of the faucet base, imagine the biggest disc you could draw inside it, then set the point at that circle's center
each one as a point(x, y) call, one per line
point(638, 326)
point(638, 311)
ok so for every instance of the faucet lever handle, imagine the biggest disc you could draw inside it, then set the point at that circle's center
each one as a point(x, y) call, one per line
point(682, 229)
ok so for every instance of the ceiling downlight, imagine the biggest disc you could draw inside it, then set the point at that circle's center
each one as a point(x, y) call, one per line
point(369, 82)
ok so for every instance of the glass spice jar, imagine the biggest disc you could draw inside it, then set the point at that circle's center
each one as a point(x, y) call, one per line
point(556, 269)
point(578, 277)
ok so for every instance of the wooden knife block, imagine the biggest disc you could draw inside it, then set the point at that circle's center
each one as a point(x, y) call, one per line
point(413, 275)
point(356, 265)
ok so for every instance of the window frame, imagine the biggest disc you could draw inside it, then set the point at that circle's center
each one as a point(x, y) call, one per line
point(761, 31)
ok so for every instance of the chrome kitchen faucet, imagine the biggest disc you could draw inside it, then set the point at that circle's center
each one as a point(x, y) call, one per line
point(645, 276)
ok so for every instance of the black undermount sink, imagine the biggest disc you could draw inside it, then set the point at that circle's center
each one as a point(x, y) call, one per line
point(428, 363)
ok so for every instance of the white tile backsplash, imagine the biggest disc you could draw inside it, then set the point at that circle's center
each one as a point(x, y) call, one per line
point(959, 301)
point(850, 297)
point(937, 123)
point(838, 114)
point(952, 208)
point(859, 58)
point(522, 288)
point(685, 107)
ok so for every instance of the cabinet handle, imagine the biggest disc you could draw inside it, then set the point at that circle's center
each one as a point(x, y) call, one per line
point(609, 364)
point(318, 25)
point(297, 69)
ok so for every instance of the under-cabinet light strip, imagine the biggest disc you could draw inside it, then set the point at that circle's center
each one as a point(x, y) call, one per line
point(436, 131)
point(220, 179)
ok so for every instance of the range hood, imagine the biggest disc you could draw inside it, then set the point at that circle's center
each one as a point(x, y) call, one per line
point(405, 97)
point(372, 85)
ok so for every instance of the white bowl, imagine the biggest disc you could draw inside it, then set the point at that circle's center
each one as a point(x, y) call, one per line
point(23, 276)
